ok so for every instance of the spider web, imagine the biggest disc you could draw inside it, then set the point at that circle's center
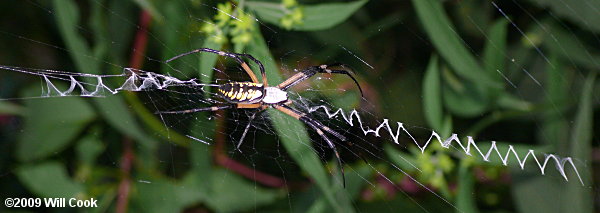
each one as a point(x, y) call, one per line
point(368, 130)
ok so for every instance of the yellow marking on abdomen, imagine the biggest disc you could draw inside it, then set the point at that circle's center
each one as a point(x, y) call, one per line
point(244, 97)
point(239, 94)
point(241, 91)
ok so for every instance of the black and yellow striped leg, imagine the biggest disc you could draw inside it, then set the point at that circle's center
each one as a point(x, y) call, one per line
point(318, 127)
point(235, 56)
point(213, 108)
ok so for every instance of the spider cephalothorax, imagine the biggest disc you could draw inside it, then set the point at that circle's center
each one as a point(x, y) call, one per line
point(256, 95)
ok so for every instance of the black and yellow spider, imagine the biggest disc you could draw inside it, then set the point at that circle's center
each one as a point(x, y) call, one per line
point(254, 95)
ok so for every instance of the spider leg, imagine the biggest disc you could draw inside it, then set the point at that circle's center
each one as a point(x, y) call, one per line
point(305, 118)
point(311, 71)
point(263, 73)
point(323, 127)
point(332, 146)
point(311, 123)
point(213, 108)
point(235, 56)
point(249, 106)
point(324, 69)
point(246, 129)
point(338, 64)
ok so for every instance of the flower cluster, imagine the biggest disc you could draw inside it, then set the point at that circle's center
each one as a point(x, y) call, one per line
point(294, 14)
point(434, 163)
point(230, 22)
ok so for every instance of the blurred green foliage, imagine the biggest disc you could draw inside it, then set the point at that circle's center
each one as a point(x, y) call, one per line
point(519, 73)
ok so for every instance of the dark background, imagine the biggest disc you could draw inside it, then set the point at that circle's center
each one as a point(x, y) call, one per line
point(518, 73)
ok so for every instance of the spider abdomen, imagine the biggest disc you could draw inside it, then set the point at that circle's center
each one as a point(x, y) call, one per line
point(241, 92)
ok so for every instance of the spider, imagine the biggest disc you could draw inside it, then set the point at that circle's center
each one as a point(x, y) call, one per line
point(256, 95)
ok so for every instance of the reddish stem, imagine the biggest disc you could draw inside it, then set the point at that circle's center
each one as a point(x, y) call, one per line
point(141, 39)
point(222, 159)
point(125, 184)
point(136, 61)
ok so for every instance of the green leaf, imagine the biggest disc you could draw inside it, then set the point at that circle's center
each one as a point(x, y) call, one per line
point(225, 192)
point(208, 61)
point(165, 195)
point(533, 192)
point(446, 129)
point(569, 46)
point(355, 184)
point(88, 149)
point(578, 197)
point(316, 17)
point(291, 131)
point(50, 125)
point(465, 196)
point(554, 122)
point(494, 52)
point(581, 134)
point(120, 32)
point(96, 21)
point(104, 201)
point(267, 11)
point(432, 97)
point(511, 102)
point(171, 37)
point(463, 98)
point(10, 108)
point(229, 193)
point(404, 161)
point(348, 100)
point(67, 17)
point(445, 39)
point(580, 12)
point(149, 6)
point(148, 118)
point(113, 109)
point(49, 179)
point(202, 167)
point(116, 113)
point(161, 195)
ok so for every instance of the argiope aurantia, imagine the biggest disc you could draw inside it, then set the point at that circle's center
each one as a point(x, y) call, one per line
point(254, 95)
